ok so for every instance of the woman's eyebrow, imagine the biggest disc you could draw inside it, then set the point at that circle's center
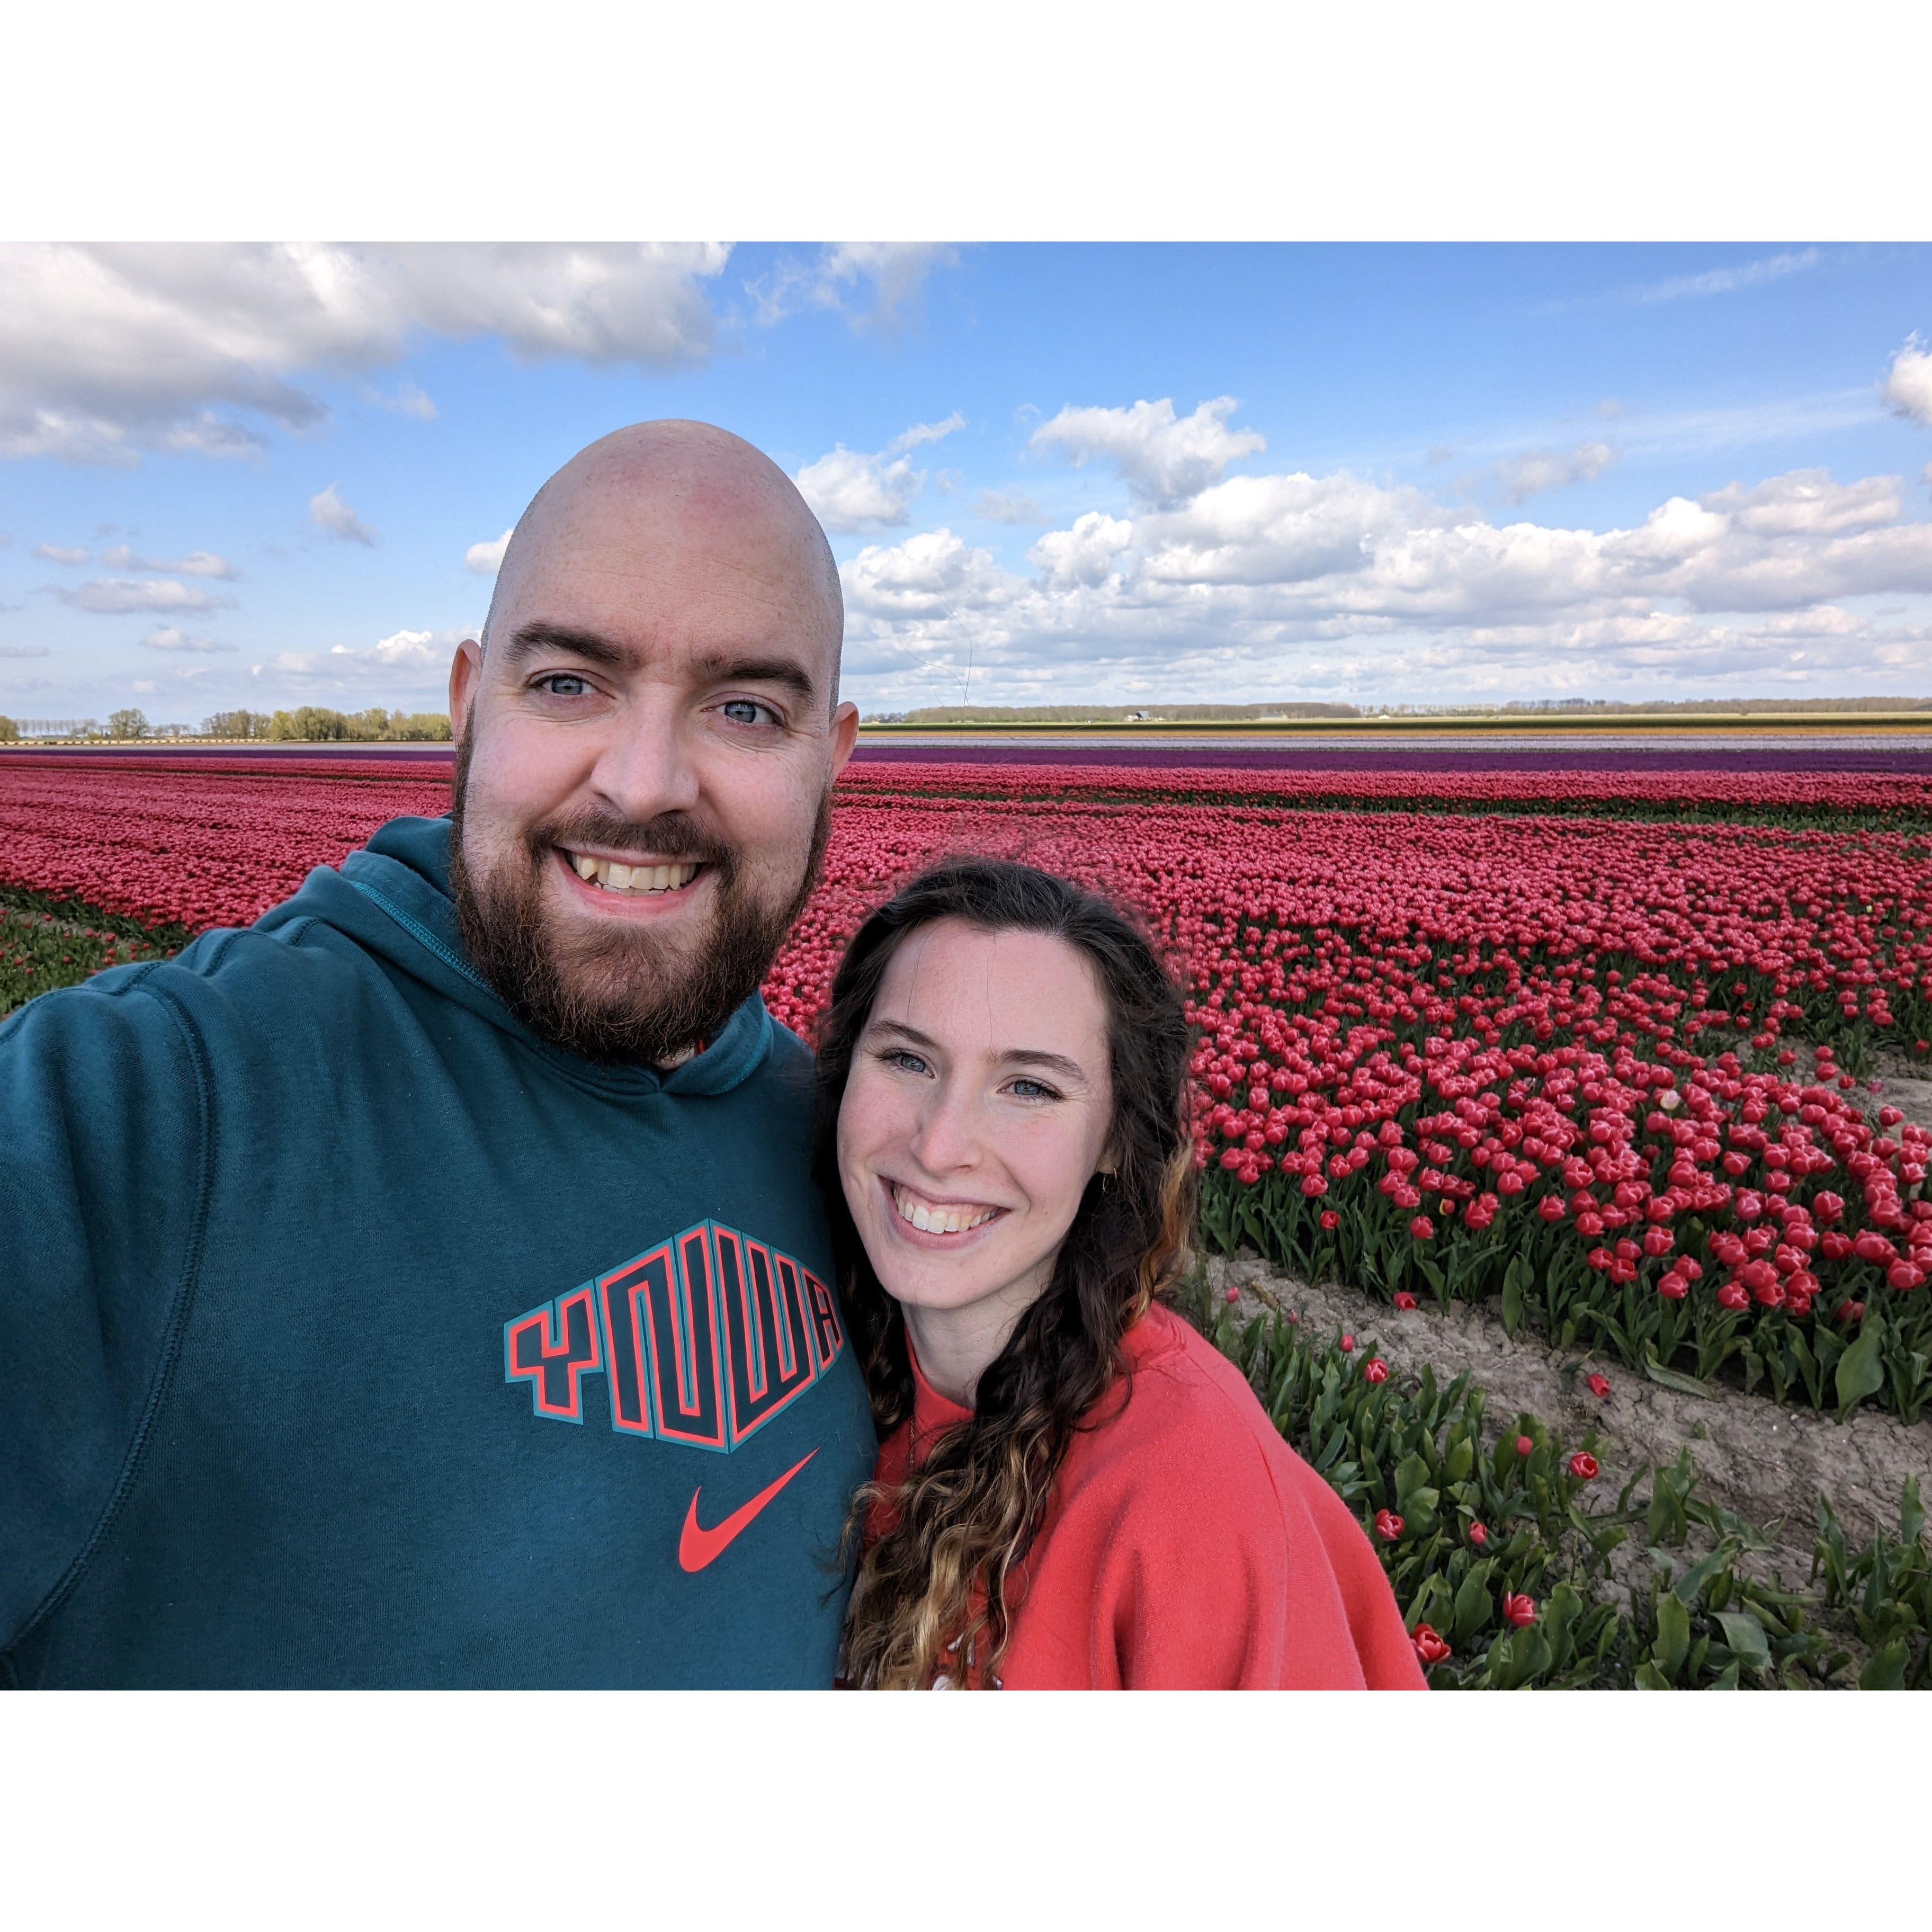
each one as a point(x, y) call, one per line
point(906, 1033)
point(1033, 1056)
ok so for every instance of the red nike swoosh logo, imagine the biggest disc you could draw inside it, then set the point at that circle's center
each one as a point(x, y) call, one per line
point(698, 1546)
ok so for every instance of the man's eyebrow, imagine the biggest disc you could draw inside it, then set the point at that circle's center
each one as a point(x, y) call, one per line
point(529, 639)
point(1027, 1056)
point(720, 668)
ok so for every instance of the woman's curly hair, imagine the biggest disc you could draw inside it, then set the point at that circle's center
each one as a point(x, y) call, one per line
point(943, 1581)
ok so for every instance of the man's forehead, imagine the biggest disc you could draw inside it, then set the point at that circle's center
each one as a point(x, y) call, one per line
point(672, 535)
point(709, 584)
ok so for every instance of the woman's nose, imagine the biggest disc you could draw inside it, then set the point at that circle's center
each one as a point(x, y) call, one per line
point(946, 1139)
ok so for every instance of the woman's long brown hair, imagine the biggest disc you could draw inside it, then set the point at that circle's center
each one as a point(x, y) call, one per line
point(939, 1588)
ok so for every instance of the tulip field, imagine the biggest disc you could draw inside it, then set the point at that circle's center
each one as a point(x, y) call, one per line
point(1598, 1048)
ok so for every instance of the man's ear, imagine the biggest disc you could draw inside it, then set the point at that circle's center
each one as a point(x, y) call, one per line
point(466, 668)
point(844, 736)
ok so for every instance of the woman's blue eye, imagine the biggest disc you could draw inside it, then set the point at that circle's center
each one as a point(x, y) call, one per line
point(1035, 1091)
point(908, 1063)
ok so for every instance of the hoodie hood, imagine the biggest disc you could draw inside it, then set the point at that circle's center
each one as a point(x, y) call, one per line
point(391, 897)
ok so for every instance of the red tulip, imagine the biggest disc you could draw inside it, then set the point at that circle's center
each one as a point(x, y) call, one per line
point(1583, 1466)
point(1388, 1525)
point(1518, 1610)
point(1429, 1649)
point(1403, 1299)
point(1525, 1445)
point(1422, 1227)
point(1375, 1369)
point(1478, 1535)
point(1599, 1386)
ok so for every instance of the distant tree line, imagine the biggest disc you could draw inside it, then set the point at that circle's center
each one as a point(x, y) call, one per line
point(310, 724)
point(316, 723)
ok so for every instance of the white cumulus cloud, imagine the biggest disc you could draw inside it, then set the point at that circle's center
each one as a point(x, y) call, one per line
point(933, 575)
point(1332, 585)
point(1085, 553)
point(1806, 503)
point(61, 553)
point(329, 512)
point(486, 559)
point(415, 660)
point(109, 350)
point(1165, 459)
point(114, 596)
point(1908, 383)
point(166, 637)
point(849, 490)
point(419, 648)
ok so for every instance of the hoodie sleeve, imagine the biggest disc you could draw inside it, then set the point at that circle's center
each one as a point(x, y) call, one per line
point(104, 1151)
point(1245, 1577)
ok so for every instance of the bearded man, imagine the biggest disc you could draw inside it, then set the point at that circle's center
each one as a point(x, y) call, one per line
point(425, 1286)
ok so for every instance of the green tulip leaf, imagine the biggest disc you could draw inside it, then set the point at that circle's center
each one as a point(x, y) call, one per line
point(1861, 1367)
point(1745, 1636)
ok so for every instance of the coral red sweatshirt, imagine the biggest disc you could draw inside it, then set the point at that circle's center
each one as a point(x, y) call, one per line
point(1186, 1546)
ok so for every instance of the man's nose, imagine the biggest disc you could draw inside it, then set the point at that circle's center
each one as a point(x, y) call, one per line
point(647, 767)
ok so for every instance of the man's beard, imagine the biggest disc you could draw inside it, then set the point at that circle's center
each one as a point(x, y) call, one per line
point(622, 996)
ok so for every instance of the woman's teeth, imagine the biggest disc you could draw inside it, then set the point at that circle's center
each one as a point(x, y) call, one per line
point(616, 878)
point(954, 1220)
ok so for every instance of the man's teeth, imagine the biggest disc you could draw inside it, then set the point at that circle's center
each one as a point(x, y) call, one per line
point(940, 1220)
point(617, 878)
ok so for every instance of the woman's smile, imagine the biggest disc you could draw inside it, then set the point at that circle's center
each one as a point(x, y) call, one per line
point(943, 1224)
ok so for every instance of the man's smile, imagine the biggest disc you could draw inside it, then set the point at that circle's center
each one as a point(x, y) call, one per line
point(607, 881)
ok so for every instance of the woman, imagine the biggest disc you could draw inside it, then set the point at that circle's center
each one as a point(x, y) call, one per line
point(1074, 1490)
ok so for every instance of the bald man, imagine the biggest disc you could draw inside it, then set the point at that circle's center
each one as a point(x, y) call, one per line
point(426, 1285)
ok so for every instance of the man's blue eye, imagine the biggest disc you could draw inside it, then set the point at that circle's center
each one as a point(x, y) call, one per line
point(742, 711)
point(557, 681)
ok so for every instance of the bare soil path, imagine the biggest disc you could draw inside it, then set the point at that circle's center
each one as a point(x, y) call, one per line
point(1768, 1463)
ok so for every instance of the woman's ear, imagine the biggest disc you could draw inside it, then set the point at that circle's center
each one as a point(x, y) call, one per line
point(1109, 1165)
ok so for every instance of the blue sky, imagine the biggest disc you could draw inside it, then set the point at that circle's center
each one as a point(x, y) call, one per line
point(256, 476)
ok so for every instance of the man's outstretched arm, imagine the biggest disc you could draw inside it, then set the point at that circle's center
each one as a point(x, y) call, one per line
point(106, 1141)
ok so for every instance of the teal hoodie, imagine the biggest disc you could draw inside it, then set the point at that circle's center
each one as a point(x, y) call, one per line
point(351, 1334)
